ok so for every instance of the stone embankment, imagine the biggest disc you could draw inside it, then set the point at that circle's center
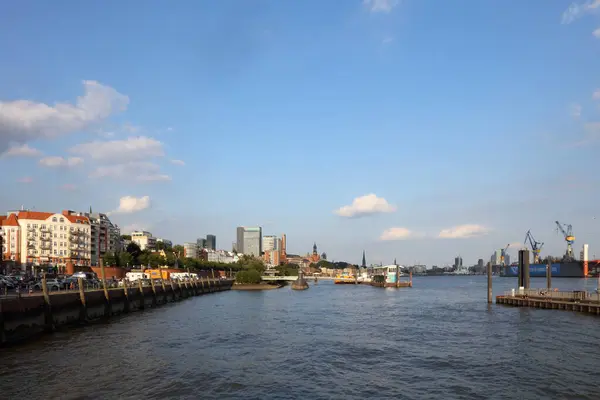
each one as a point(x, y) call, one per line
point(26, 316)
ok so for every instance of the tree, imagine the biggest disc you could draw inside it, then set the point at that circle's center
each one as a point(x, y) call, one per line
point(248, 277)
point(249, 262)
point(125, 259)
point(125, 237)
point(110, 260)
point(135, 251)
point(178, 249)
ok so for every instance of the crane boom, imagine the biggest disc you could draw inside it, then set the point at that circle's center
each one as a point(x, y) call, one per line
point(567, 232)
point(536, 247)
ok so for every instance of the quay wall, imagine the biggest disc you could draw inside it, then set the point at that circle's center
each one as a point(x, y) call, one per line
point(27, 316)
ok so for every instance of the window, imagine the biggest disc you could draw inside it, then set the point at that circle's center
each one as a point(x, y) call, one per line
point(62, 219)
point(55, 252)
point(53, 219)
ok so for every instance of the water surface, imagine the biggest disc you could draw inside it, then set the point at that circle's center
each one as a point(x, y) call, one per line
point(437, 340)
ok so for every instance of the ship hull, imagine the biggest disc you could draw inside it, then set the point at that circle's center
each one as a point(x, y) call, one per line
point(559, 270)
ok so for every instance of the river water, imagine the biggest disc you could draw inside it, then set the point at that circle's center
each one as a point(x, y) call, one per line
point(437, 340)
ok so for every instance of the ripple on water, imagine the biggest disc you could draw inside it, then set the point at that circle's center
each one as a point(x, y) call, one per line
point(438, 340)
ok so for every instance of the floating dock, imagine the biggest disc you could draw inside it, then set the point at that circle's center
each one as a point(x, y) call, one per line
point(580, 301)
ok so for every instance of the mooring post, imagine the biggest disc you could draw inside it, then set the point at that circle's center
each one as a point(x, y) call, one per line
point(162, 283)
point(548, 275)
point(126, 292)
point(141, 289)
point(83, 307)
point(47, 306)
point(173, 289)
point(107, 308)
point(154, 301)
point(202, 284)
point(489, 279)
point(397, 276)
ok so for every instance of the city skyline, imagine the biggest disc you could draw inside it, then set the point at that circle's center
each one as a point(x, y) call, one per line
point(469, 133)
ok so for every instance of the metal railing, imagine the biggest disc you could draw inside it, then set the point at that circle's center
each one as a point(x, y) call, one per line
point(549, 294)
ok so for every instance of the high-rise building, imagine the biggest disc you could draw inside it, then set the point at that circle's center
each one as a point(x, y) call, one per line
point(201, 242)
point(458, 262)
point(480, 263)
point(269, 243)
point(211, 242)
point(507, 259)
point(249, 240)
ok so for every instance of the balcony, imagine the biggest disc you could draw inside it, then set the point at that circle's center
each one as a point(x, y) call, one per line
point(46, 238)
point(31, 245)
point(46, 246)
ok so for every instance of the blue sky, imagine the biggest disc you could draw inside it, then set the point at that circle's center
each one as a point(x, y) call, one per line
point(473, 118)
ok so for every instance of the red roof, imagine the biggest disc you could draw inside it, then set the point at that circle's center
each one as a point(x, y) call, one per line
point(34, 215)
point(10, 221)
point(78, 219)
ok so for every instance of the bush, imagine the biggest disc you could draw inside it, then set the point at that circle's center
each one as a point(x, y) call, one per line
point(249, 277)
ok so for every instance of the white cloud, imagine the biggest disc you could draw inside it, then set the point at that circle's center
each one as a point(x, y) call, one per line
point(596, 33)
point(21, 151)
point(576, 10)
point(365, 205)
point(68, 187)
point(53, 162)
point(396, 234)
point(25, 179)
point(25, 120)
point(141, 171)
point(133, 148)
point(384, 6)
point(177, 162)
point(463, 231)
point(130, 204)
point(575, 110)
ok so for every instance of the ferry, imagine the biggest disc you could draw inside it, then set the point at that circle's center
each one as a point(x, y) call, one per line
point(385, 276)
point(344, 278)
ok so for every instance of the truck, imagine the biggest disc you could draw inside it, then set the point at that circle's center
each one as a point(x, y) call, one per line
point(158, 274)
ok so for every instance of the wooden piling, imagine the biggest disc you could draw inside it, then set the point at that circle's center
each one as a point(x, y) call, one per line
point(107, 307)
point(173, 290)
point(489, 283)
point(162, 283)
point(142, 303)
point(410, 278)
point(126, 304)
point(83, 306)
point(154, 300)
point(48, 320)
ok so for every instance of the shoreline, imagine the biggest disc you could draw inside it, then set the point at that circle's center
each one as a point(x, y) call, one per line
point(256, 287)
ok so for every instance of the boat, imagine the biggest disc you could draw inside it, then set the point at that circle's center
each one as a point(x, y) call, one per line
point(344, 278)
point(389, 276)
point(566, 269)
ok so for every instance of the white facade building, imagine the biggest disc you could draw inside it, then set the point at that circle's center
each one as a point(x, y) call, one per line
point(191, 250)
point(144, 239)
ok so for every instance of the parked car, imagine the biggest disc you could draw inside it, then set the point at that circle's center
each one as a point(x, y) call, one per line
point(51, 284)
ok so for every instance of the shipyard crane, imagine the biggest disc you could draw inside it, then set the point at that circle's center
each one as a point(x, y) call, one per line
point(536, 246)
point(503, 253)
point(567, 232)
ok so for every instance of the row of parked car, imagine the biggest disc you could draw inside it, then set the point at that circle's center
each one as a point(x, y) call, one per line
point(59, 282)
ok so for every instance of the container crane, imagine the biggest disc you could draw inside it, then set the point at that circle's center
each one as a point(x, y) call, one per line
point(536, 246)
point(503, 253)
point(567, 232)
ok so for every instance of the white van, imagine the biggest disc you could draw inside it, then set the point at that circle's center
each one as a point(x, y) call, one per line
point(135, 276)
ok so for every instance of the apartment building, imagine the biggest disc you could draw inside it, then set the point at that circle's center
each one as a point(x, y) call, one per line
point(144, 239)
point(105, 236)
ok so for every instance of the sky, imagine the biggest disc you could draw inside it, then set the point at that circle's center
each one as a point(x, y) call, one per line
point(415, 130)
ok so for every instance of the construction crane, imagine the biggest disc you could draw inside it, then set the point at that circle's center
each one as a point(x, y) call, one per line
point(536, 246)
point(567, 232)
point(503, 253)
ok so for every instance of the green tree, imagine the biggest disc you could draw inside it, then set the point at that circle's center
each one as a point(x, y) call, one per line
point(110, 260)
point(249, 262)
point(125, 259)
point(135, 251)
point(178, 249)
point(250, 276)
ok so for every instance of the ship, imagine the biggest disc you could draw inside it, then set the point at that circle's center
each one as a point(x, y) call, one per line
point(565, 269)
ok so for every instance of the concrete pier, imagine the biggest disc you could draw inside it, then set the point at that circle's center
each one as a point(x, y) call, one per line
point(23, 317)
point(579, 301)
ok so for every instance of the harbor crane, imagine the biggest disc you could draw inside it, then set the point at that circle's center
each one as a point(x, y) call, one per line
point(536, 247)
point(503, 254)
point(567, 232)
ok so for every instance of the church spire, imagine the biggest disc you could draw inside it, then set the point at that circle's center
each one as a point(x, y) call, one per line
point(364, 261)
point(315, 248)
point(395, 261)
